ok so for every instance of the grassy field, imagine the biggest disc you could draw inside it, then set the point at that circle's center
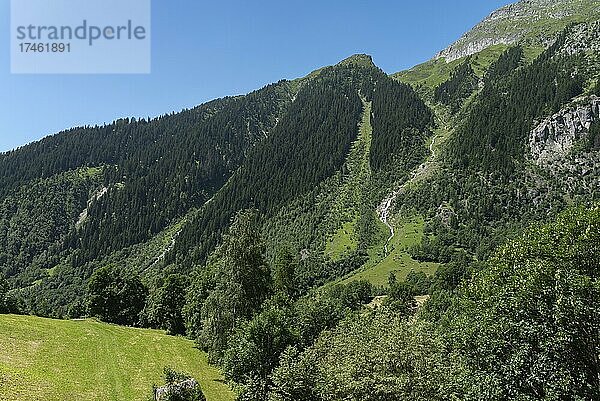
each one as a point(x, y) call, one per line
point(61, 360)
point(344, 241)
point(409, 231)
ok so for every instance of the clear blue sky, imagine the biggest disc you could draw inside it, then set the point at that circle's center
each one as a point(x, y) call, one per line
point(202, 50)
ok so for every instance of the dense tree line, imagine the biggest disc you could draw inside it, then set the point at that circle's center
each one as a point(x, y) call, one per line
point(462, 83)
point(401, 123)
point(36, 217)
point(178, 173)
point(492, 136)
point(506, 64)
point(151, 173)
point(270, 151)
point(154, 171)
point(308, 145)
point(487, 191)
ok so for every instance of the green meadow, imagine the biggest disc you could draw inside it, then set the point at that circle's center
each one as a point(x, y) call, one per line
point(66, 360)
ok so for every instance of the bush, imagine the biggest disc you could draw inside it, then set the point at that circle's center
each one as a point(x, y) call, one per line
point(178, 387)
point(116, 296)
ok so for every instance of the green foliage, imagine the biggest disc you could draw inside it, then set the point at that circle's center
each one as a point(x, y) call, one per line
point(401, 298)
point(528, 316)
point(427, 76)
point(522, 328)
point(400, 125)
point(178, 393)
point(4, 287)
point(164, 307)
point(255, 348)
point(353, 294)
point(36, 217)
point(492, 137)
point(593, 140)
point(508, 61)
point(153, 173)
point(419, 281)
point(242, 284)
point(372, 357)
point(461, 84)
point(485, 190)
point(203, 282)
point(392, 279)
point(434, 249)
point(398, 261)
point(116, 296)
point(285, 273)
point(309, 144)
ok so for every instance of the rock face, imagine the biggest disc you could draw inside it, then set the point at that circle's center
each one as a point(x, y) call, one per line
point(533, 20)
point(554, 137)
point(584, 39)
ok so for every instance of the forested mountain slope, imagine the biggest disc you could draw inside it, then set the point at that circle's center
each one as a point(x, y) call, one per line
point(166, 189)
point(151, 173)
point(250, 223)
point(520, 149)
point(481, 143)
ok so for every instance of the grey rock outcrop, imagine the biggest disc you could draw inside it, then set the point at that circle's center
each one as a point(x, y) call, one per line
point(553, 138)
point(535, 21)
point(161, 393)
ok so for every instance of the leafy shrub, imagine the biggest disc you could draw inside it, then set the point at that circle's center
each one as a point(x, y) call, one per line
point(178, 387)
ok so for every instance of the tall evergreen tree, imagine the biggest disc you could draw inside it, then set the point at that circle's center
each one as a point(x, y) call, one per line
point(243, 283)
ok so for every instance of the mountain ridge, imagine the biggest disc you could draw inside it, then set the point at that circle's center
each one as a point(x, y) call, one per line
point(536, 22)
point(254, 151)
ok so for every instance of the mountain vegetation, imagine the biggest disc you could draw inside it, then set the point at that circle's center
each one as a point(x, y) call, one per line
point(350, 235)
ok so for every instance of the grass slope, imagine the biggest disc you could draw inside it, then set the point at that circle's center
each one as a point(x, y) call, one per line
point(436, 71)
point(432, 73)
point(58, 360)
point(349, 195)
point(409, 232)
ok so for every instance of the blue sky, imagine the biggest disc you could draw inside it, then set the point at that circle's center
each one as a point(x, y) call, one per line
point(203, 50)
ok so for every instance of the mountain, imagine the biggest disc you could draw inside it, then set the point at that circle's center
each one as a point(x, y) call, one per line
point(150, 193)
point(260, 225)
point(534, 23)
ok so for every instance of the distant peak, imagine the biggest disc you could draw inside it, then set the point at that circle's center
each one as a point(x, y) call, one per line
point(363, 60)
point(535, 22)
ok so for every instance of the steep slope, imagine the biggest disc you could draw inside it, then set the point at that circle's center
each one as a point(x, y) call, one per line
point(152, 173)
point(167, 188)
point(467, 149)
point(309, 156)
point(531, 22)
point(520, 150)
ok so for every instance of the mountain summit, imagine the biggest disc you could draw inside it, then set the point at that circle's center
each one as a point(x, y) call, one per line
point(534, 22)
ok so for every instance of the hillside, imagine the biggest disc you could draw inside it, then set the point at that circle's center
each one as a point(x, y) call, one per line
point(532, 22)
point(58, 360)
point(260, 226)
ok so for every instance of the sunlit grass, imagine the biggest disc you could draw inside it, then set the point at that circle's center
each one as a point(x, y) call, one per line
point(58, 360)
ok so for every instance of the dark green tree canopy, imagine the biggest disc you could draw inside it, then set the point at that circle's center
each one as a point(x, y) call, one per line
point(116, 295)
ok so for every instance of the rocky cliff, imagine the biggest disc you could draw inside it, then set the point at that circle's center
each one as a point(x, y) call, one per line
point(533, 21)
point(554, 137)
